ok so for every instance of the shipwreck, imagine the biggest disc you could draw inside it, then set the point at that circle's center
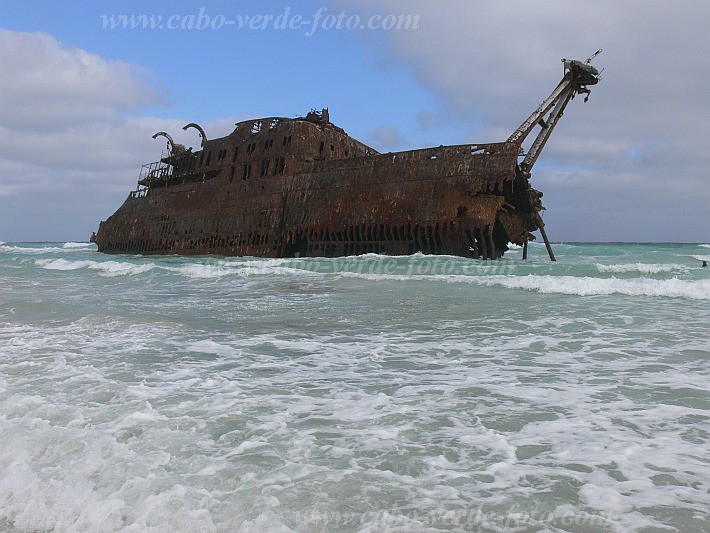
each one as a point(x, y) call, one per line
point(296, 187)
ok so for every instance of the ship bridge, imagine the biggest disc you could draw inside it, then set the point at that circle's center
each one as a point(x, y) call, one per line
point(256, 148)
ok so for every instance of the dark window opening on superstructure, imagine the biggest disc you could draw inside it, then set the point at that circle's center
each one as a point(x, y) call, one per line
point(209, 156)
point(322, 146)
point(231, 175)
point(279, 165)
point(247, 172)
point(202, 159)
point(235, 154)
point(264, 167)
point(332, 148)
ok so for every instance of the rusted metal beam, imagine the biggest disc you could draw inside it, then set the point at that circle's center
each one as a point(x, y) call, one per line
point(547, 243)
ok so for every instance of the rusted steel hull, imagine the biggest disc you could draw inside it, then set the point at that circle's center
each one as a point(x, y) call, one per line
point(461, 200)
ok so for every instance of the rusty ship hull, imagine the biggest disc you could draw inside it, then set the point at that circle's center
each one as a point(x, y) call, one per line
point(441, 201)
point(280, 187)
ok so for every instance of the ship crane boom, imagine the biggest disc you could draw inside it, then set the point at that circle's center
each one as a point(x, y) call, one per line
point(577, 75)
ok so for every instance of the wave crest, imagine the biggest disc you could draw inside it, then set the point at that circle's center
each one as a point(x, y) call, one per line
point(589, 286)
point(107, 268)
point(643, 268)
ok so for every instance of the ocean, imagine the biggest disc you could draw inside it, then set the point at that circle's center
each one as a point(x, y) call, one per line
point(363, 394)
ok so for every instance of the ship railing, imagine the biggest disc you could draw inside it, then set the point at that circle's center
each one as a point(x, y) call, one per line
point(139, 193)
point(156, 171)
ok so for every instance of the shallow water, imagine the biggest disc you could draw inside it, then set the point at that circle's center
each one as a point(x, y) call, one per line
point(373, 393)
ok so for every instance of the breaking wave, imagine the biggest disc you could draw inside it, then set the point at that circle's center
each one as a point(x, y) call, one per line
point(190, 270)
point(107, 268)
point(25, 250)
point(589, 286)
point(77, 245)
point(643, 268)
point(553, 284)
point(32, 250)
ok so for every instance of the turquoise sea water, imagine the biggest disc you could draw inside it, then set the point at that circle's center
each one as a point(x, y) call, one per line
point(371, 393)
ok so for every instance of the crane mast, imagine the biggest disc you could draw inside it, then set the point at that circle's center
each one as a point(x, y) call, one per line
point(577, 76)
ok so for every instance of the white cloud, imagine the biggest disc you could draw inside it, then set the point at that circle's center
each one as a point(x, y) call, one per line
point(50, 86)
point(386, 138)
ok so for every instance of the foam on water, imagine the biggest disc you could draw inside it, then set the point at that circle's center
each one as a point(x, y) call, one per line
point(642, 268)
point(106, 268)
point(588, 286)
point(573, 285)
point(31, 249)
point(222, 269)
point(208, 394)
point(44, 248)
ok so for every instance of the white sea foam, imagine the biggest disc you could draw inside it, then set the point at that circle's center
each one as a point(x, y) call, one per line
point(705, 245)
point(316, 419)
point(589, 286)
point(117, 268)
point(62, 264)
point(579, 285)
point(105, 268)
point(31, 249)
point(239, 269)
point(34, 249)
point(643, 268)
point(212, 347)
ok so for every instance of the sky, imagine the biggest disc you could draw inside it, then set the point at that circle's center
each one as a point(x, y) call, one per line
point(80, 99)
